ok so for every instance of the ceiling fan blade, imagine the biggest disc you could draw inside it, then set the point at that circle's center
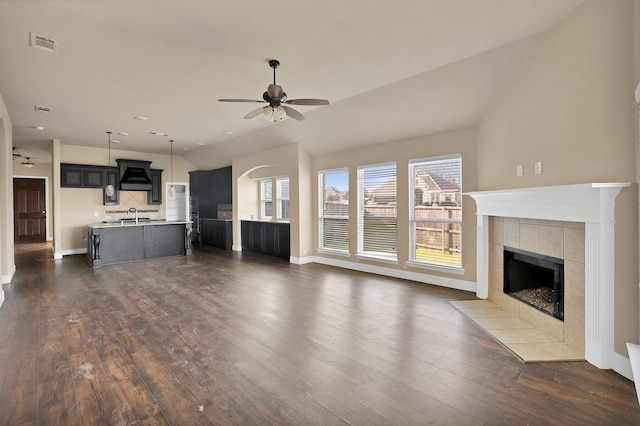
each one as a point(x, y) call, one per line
point(293, 113)
point(242, 100)
point(255, 112)
point(307, 101)
point(275, 91)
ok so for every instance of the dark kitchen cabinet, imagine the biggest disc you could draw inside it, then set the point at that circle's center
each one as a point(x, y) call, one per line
point(93, 177)
point(70, 176)
point(211, 188)
point(217, 233)
point(155, 195)
point(87, 176)
point(81, 176)
point(112, 177)
point(270, 238)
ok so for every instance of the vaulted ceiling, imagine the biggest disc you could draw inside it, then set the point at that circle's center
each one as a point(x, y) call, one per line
point(391, 70)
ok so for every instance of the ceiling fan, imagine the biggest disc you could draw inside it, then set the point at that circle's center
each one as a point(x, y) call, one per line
point(278, 108)
point(27, 162)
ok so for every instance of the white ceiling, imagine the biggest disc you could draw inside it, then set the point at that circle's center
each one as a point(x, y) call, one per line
point(391, 70)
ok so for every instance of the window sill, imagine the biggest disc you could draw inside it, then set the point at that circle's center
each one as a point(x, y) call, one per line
point(333, 252)
point(432, 267)
point(374, 258)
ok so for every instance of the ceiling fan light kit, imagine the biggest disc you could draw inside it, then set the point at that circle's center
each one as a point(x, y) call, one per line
point(274, 114)
point(277, 110)
point(28, 163)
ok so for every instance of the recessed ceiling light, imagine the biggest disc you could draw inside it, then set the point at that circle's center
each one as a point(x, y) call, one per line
point(159, 133)
point(140, 117)
point(123, 133)
point(200, 144)
point(41, 108)
point(227, 133)
point(114, 141)
point(185, 149)
point(37, 127)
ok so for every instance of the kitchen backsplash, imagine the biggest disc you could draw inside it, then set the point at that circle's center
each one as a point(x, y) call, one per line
point(132, 199)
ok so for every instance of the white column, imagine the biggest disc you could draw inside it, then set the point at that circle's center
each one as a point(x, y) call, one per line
point(482, 257)
point(599, 293)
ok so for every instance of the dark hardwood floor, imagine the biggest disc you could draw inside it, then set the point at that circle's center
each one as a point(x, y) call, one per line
point(227, 338)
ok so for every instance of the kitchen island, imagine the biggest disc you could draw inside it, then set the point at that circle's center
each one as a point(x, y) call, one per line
point(126, 241)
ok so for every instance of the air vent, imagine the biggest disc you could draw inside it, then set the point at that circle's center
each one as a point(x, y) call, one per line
point(41, 108)
point(44, 43)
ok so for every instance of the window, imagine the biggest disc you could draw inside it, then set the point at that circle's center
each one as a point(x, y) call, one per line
point(435, 222)
point(334, 210)
point(266, 199)
point(377, 211)
point(282, 198)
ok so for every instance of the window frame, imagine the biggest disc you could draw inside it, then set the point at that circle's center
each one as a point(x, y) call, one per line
point(322, 216)
point(264, 200)
point(377, 256)
point(412, 261)
point(279, 199)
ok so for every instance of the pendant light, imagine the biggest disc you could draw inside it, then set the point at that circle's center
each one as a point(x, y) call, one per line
point(109, 190)
point(172, 190)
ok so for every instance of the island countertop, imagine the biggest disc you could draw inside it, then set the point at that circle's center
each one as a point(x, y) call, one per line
point(127, 223)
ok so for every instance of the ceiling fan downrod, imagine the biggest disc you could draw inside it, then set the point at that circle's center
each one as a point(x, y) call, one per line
point(273, 63)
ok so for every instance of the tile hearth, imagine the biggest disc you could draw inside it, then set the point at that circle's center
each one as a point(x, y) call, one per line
point(527, 341)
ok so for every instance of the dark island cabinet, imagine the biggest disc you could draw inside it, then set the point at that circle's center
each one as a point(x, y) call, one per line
point(270, 238)
point(108, 244)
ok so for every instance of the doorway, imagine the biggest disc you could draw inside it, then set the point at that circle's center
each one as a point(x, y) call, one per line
point(29, 210)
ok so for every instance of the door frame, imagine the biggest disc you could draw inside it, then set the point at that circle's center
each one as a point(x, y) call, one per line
point(48, 225)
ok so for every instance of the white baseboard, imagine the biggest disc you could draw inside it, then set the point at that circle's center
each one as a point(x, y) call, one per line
point(397, 273)
point(301, 260)
point(621, 365)
point(6, 279)
point(1, 297)
point(71, 252)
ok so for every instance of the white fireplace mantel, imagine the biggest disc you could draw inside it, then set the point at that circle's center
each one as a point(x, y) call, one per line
point(591, 203)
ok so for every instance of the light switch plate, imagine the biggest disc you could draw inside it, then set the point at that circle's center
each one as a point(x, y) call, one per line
point(519, 171)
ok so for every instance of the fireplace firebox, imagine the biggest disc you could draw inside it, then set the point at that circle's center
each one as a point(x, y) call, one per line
point(536, 280)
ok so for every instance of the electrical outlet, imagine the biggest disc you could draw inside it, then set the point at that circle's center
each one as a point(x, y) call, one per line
point(519, 171)
point(538, 168)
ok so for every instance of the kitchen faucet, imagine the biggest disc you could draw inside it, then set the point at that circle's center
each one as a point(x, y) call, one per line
point(134, 210)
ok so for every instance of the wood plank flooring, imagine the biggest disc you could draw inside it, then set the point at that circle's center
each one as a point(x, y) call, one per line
point(238, 339)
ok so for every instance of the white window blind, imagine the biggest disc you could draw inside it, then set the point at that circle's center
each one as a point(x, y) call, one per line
point(377, 211)
point(333, 216)
point(282, 198)
point(435, 193)
point(266, 199)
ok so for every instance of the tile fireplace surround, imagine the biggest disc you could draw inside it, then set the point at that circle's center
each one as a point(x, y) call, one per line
point(590, 204)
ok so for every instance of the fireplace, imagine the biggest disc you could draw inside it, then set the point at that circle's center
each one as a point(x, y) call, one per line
point(592, 204)
point(535, 279)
